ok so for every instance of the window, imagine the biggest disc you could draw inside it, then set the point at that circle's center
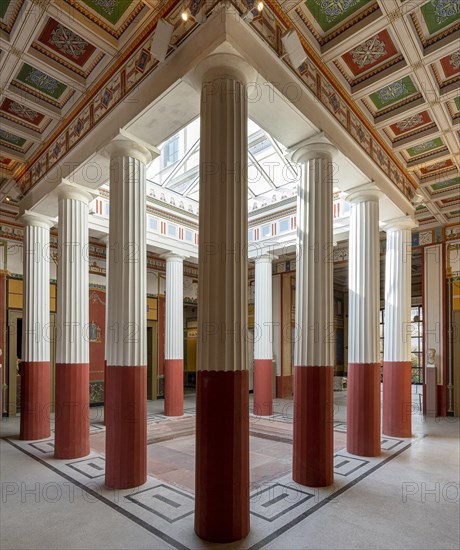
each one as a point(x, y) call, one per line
point(284, 225)
point(188, 235)
point(171, 151)
point(266, 230)
point(153, 223)
point(172, 230)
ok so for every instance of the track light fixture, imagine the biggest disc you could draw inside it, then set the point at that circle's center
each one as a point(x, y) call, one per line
point(294, 48)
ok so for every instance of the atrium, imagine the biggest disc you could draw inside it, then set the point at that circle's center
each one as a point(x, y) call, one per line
point(230, 274)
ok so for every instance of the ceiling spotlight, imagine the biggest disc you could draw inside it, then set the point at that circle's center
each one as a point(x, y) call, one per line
point(7, 199)
point(260, 6)
point(185, 14)
point(161, 40)
point(294, 48)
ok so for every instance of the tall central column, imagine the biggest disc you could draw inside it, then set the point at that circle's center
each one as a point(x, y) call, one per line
point(35, 366)
point(263, 336)
point(313, 445)
point(126, 371)
point(397, 366)
point(72, 322)
point(363, 396)
point(174, 336)
point(222, 398)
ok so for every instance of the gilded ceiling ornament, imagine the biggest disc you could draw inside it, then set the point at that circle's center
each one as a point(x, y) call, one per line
point(22, 111)
point(424, 146)
point(42, 80)
point(392, 92)
point(409, 122)
point(444, 9)
point(106, 5)
point(369, 52)
point(68, 42)
point(9, 137)
point(334, 8)
point(455, 60)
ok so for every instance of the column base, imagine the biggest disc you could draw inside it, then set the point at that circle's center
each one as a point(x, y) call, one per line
point(263, 392)
point(174, 387)
point(35, 400)
point(313, 443)
point(284, 386)
point(397, 398)
point(363, 409)
point(126, 427)
point(71, 410)
point(222, 456)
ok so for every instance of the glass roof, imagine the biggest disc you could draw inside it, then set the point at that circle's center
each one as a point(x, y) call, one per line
point(271, 177)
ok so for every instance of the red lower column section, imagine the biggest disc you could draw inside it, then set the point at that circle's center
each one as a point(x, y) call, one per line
point(126, 427)
point(263, 392)
point(397, 398)
point(174, 387)
point(363, 409)
point(105, 378)
point(222, 456)
point(313, 443)
point(71, 410)
point(35, 400)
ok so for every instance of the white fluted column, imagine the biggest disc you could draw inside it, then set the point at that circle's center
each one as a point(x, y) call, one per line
point(363, 398)
point(174, 336)
point(35, 365)
point(222, 421)
point(397, 366)
point(263, 336)
point(126, 371)
point(313, 446)
point(72, 321)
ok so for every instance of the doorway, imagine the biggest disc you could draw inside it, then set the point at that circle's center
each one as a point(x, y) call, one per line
point(13, 378)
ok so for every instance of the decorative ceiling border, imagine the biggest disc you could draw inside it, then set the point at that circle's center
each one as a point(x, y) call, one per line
point(136, 65)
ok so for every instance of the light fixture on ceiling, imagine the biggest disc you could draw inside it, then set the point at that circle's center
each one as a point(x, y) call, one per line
point(161, 40)
point(7, 199)
point(185, 14)
point(294, 48)
point(251, 13)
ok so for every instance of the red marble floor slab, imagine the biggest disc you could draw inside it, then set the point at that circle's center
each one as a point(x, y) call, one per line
point(171, 449)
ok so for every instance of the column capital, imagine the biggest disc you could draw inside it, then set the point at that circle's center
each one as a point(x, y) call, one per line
point(310, 149)
point(364, 195)
point(221, 65)
point(172, 257)
point(127, 145)
point(266, 258)
point(37, 220)
point(404, 222)
point(69, 190)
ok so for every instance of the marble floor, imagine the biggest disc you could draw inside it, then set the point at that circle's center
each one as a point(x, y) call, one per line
point(406, 498)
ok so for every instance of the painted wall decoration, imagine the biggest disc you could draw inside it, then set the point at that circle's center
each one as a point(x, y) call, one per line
point(96, 343)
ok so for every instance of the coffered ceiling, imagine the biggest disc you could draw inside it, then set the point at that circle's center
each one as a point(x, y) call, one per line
point(396, 61)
